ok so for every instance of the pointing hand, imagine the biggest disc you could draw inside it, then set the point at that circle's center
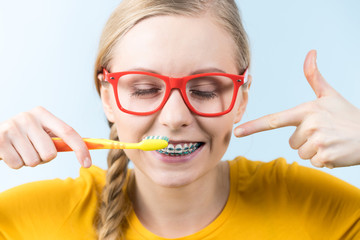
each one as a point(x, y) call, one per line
point(327, 129)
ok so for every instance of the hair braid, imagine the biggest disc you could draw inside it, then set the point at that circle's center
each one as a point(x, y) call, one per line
point(115, 205)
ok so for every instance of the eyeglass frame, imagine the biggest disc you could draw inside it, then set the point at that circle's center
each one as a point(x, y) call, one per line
point(175, 83)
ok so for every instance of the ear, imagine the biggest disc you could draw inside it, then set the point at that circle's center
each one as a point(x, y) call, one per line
point(243, 101)
point(107, 98)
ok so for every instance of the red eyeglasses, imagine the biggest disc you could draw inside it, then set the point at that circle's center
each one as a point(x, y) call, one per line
point(144, 93)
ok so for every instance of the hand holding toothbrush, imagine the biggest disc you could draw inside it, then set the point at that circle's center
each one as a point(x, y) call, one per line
point(26, 139)
point(29, 140)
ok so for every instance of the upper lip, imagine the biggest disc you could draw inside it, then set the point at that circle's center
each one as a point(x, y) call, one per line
point(179, 141)
point(183, 141)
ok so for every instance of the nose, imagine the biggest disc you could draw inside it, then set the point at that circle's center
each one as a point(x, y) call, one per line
point(175, 114)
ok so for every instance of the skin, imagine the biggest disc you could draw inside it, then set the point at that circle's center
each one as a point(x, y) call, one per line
point(174, 201)
point(327, 129)
point(174, 54)
point(186, 196)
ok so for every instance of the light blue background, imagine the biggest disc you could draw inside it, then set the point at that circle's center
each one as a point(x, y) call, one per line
point(47, 52)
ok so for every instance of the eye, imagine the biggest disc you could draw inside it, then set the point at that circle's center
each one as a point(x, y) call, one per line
point(140, 86)
point(203, 88)
point(145, 90)
point(200, 94)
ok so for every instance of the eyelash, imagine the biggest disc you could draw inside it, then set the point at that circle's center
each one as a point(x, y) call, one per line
point(202, 94)
point(144, 92)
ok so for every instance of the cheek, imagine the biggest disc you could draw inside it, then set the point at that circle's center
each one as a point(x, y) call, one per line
point(227, 137)
point(224, 136)
point(225, 128)
point(132, 128)
point(219, 129)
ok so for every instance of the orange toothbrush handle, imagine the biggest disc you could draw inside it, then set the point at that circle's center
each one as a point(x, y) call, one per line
point(61, 146)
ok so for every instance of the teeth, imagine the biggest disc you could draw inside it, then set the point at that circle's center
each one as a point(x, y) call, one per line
point(179, 149)
point(170, 148)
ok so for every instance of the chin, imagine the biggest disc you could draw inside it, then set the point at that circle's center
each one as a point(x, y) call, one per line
point(173, 179)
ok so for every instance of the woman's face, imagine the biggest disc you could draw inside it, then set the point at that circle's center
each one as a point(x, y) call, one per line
point(175, 46)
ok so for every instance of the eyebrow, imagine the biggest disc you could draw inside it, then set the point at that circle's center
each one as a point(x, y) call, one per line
point(208, 70)
point(199, 71)
point(143, 70)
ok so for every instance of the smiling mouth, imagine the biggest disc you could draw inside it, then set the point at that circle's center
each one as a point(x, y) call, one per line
point(180, 149)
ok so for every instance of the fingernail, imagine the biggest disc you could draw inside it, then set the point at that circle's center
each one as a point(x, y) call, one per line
point(87, 162)
point(329, 165)
point(239, 132)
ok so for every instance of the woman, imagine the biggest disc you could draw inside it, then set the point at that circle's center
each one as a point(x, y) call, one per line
point(189, 195)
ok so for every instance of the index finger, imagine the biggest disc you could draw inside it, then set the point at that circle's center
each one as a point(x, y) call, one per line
point(290, 117)
point(69, 135)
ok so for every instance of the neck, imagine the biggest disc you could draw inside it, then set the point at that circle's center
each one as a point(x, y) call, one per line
point(179, 211)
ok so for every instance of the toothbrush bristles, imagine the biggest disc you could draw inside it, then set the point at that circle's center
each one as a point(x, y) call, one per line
point(152, 143)
point(157, 137)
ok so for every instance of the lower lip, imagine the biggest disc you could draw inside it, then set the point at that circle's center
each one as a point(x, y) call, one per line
point(177, 159)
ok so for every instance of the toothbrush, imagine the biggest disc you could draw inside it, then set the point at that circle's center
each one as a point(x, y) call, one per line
point(149, 143)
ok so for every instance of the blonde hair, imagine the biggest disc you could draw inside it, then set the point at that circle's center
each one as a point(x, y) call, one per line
point(115, 205)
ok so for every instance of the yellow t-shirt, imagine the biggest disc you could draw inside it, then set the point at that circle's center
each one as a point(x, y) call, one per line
point(271, 200)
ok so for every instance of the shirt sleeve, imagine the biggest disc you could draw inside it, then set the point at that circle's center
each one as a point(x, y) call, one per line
point(327, 206)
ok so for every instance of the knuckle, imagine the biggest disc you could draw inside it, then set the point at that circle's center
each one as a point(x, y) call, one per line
point(3, 138)
point(47, 157)
point(326, 157)
point(310, 131)
point(27, 118)
point(273, 121)
point(14, 163)
point(318, 141)
point(302, 154)
point(292, 143)
point(68, 131)
point(312, 125)
point(33, 162)
point(38, 109)
point(319, 158)
point(17, 165)
point(312, 106)
point(9, 129)
point(317, 163)
point(24, 116)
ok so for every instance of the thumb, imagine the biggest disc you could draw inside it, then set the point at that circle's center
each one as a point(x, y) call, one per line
point(317, 82)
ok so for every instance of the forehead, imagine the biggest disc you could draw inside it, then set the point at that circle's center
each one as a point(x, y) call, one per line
point(175, 45)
